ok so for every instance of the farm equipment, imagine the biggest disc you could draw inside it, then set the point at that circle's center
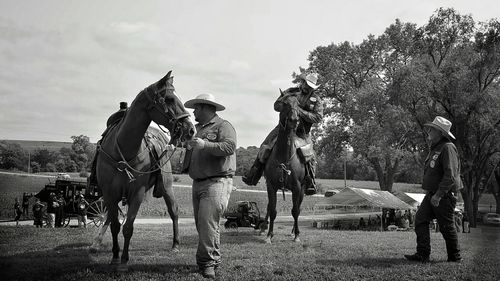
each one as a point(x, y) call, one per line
point(70, 189)
point(244, 214)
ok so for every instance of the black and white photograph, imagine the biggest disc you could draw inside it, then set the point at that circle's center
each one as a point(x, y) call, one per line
point(250, 140)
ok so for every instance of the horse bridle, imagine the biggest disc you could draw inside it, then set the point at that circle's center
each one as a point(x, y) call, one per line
point(158, 103)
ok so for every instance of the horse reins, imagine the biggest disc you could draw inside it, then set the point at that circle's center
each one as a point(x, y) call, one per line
point(128, 168)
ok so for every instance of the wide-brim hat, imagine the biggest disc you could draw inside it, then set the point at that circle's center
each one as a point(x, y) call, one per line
point(204, 99)
point(443, 125)
point(311, 79)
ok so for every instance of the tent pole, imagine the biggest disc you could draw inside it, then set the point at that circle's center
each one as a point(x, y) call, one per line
point(381, 220)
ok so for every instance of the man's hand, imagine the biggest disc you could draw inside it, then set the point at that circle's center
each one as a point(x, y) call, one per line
point(435, 200)
point(196, 143)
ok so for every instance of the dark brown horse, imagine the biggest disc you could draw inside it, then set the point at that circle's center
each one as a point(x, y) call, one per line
point(124, 165)
point(284, 170)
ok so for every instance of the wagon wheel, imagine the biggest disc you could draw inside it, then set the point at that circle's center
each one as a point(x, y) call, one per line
point(45, 220)
point(66, 220)
point(96, 212)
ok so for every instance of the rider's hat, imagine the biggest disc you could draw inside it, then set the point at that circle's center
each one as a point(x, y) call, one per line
point(311, 79)
point(123, 105)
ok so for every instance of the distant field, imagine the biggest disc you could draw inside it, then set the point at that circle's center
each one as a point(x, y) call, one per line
point(33, 145)
point(12, 186)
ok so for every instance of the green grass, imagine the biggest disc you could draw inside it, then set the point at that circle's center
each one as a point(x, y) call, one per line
point(27, 253)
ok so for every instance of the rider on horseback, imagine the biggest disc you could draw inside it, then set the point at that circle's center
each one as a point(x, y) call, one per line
point(310, 112)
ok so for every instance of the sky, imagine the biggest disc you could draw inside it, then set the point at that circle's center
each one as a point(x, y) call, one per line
point(66, 65)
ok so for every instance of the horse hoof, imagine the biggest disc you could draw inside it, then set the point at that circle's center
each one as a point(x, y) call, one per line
point(115, 261)
point(297, 240)
point(268, 240)
point(175, 249)
point(122, 267)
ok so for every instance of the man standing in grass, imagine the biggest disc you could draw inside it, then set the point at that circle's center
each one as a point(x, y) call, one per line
point(441, 182)
point(211, 163)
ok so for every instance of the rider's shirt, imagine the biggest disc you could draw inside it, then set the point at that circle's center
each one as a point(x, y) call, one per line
point(311, 105)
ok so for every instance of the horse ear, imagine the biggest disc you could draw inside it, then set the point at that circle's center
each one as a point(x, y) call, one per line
point(166, 78)
point(281, 92)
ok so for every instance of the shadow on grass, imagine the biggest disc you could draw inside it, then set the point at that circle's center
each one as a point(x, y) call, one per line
point(45, 265)
point(159, 268)
point(368, 262)
point(67, 259)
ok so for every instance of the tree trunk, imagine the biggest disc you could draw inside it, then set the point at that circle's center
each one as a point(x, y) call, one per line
point(466, 195)
point(497, 200)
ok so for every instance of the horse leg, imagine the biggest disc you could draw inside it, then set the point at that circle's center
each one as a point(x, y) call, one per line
point(173, 211)
point(96, 244)
point(297, 197)
point(271, 210)
point(115, 229)
point(128, 227)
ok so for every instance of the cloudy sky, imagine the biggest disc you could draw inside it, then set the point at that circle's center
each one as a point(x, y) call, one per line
point(65, 65)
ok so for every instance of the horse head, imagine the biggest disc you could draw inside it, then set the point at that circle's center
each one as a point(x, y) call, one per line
point(167, 109)
point(289, 113)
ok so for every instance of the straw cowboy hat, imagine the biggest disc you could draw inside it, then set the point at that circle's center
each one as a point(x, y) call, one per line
point(311, 79)
point(443, 125)
point(204, 99)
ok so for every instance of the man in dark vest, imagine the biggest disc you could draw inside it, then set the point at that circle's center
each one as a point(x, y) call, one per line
point(310, 112)
point(113, 119)
point(441, 182)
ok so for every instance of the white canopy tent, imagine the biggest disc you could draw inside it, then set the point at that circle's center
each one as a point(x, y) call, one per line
point(412, 199)
point(361, 198)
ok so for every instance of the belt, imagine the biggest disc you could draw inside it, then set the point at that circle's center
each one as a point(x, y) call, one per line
point(213, 177)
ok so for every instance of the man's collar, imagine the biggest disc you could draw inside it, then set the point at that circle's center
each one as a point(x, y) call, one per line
point(213, 120)
point(440, 142)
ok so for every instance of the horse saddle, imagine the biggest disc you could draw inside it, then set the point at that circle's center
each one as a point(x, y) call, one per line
point(157, 143)
point(304, 149)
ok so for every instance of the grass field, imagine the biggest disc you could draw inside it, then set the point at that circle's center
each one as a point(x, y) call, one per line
point(12, 186)
point(27, 253)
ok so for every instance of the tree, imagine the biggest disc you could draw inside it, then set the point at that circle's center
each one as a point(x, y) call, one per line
point(12, 156)
point(82, 152)
point(360, 110)
point(456, 76)
point(245, 159)
point(42, 157)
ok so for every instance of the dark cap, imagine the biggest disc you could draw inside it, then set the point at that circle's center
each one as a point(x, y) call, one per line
point(123, 105)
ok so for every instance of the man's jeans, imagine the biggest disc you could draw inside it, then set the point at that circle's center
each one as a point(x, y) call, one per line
point(444, 213)
point(210, 199)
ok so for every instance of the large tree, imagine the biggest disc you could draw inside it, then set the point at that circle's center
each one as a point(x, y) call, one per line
point(456, 75)
point(360, 111)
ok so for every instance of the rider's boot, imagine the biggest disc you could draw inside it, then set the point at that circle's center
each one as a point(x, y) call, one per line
point(309, 181)
point(255, 173)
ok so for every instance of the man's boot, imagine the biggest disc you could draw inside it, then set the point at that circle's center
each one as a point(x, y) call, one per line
point(309, 182)
point(255, 173)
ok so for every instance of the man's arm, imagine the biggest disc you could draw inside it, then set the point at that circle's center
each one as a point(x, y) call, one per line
point(315, 114)
point(227, 141)
point(449, 160)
